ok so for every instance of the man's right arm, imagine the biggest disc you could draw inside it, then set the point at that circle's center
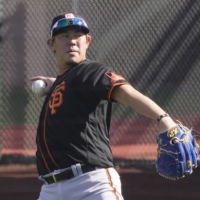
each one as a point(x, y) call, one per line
point(48, 80)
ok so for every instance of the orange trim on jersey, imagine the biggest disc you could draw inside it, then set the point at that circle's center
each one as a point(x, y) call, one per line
point(44, 160)
point(111, 89)
point(65, 75)
point(45, 138)
point(111, 184)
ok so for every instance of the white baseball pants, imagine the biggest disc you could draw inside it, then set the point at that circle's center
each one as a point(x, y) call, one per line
point(101, 184)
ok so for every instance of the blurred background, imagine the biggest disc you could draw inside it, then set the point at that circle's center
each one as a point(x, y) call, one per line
point(155, 44)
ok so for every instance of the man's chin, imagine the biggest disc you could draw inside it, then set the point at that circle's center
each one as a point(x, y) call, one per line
point(71, 63)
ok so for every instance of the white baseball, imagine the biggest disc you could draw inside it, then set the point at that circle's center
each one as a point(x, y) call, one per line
point(38, 86)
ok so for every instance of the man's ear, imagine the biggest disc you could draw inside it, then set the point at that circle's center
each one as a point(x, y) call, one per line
point(88, 40)
point(50, 43)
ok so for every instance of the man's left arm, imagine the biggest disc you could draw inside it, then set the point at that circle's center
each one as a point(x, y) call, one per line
point(143, 105)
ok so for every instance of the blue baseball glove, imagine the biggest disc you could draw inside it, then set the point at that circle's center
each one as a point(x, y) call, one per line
point(176, 159)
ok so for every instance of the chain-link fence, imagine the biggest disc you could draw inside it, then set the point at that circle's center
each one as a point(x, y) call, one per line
point(155, 44)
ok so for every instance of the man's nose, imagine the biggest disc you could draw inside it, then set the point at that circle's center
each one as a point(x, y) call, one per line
point(72, 41)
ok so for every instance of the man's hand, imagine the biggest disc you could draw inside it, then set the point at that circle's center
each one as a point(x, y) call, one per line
point(48, 80)
point(177, 152)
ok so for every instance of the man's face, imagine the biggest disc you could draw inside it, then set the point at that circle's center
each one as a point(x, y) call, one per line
point(70, 46)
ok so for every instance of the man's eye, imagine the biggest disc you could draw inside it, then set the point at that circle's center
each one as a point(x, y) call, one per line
point(78, 34)
point(64, 35)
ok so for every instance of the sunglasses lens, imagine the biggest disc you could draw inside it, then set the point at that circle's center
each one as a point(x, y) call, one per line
point(68, 22)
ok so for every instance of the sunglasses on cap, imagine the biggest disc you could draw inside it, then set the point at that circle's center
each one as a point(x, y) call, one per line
point(68, 22)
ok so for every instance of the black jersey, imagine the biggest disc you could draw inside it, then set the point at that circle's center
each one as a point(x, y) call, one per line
point(75, 118)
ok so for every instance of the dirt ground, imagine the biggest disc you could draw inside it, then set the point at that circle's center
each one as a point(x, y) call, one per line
point(19, 182)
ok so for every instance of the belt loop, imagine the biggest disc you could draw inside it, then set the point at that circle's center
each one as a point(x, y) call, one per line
point(79, 170)
point(74, 170)
point(42, 179)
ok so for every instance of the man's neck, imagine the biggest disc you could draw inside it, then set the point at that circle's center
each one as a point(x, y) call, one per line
point(63, 69)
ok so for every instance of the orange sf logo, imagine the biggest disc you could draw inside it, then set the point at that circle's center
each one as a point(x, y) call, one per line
point(57, 98)
point(114, 77)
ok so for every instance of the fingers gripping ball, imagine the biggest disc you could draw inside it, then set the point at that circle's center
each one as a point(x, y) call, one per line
point(175, 160)
point(38, 87)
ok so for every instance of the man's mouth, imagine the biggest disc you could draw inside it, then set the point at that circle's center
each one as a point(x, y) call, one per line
point(71, 51)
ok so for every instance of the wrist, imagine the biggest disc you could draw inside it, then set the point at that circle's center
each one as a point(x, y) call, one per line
point(166, 123)
point(159, 118)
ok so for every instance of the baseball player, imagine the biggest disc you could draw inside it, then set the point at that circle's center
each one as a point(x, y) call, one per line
point(74, 158)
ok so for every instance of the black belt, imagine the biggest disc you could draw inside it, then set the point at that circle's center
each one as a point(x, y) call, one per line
point(66, 174)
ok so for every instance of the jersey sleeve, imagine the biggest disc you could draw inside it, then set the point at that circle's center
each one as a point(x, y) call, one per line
point(103, 80)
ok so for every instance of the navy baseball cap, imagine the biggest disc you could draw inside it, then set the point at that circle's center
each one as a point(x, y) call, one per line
point(67, 20)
